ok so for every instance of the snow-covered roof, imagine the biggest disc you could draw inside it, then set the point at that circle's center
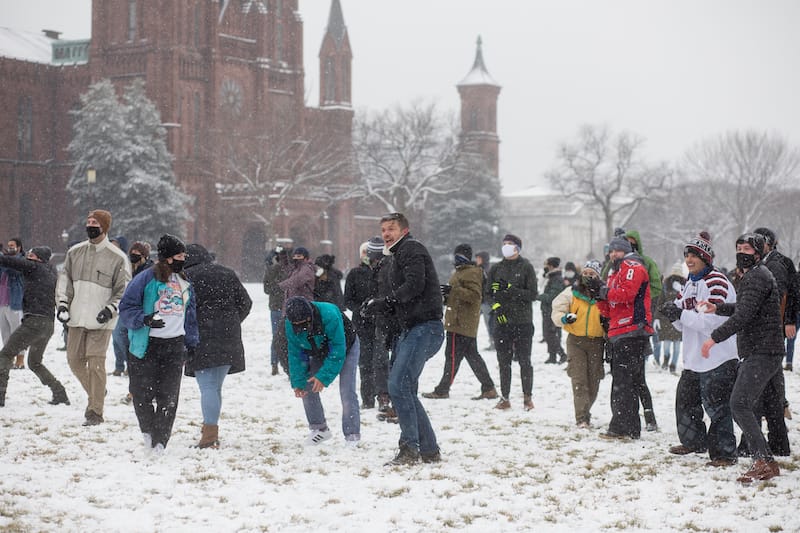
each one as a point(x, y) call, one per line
point(536, 190)
point(25, 45)
point(478, 75)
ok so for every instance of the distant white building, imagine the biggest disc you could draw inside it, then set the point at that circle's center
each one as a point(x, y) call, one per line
point(551, 225)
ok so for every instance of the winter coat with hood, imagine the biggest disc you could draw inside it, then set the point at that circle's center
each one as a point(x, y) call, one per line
point(668, 294)
point(785, 276)
point(650, 265)
point(329, 335)
point(575, 299)
point(328, 283)
point(15, 285)
point(414, 283)
point(222, 305)
point(755, 318)
point(39, 284)
point(299, 282)
point(463, 308)
point(552, 288)
point(627, 303)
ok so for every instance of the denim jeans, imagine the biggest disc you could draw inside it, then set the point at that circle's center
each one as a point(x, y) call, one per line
point(119, 339)
point(351, 418)
point(413, 349)
point(277, 322)
point(672, 351)
point(790, 344)
point(710, 391)
point(210, 380)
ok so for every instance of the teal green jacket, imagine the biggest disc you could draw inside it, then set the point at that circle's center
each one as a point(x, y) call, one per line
point(332, 331)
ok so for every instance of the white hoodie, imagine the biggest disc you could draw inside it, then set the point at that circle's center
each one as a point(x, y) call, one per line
point(697, 327)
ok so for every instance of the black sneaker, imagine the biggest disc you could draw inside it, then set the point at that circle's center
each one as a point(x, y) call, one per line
point(434, 457)
point(92, 419)
point(406, 456)
point(59, 397)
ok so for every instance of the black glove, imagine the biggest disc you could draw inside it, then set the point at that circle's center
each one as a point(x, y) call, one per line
point(190, 353)
point(379, 306)
point(607, 355)
point(104, 315)
point(445, 290)
point(671, 311)
point(569, 318)
point(62, 314)
point(153, 321)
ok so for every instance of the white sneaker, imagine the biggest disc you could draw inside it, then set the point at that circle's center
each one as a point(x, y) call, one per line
point(352, 443)
point(318, 436)
point(147, 439)
point(158, 449)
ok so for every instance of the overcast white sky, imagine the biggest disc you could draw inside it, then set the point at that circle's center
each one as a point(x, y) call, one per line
point(673, 71)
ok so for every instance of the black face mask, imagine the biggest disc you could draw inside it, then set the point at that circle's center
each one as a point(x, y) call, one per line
point(176, 265)
point(93, 231)
point(135, 258)
point(745, 261)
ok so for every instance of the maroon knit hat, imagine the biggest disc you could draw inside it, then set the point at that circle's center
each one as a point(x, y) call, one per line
point(701, 247)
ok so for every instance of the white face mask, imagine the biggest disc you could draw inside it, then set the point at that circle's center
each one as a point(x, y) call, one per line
point(509, 250)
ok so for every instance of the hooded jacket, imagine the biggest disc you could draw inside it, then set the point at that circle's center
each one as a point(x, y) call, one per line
point(222, 305)
point(650, 265)
point(39, 284)
point(463, 309)
point(572, 300)
point(627, 303)
point(330, 334)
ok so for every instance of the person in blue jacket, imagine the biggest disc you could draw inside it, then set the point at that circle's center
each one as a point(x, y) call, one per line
point(323, 345)
point(158, 308)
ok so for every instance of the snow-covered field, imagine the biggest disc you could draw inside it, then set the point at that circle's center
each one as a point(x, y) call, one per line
point(502, 471)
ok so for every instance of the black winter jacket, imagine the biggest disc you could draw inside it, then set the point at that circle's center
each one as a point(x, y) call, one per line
point(222, 305)
point(361, 285)
point(39, 284)
point(414, 282)
point(328, 288)
point(785, 275)
point(755, 318)
point(515, 302)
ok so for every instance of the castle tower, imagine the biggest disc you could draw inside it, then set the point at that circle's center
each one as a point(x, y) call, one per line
point(335, 59)
point(479, 92)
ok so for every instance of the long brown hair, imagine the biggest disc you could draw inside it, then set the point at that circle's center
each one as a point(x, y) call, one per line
point(162, 271)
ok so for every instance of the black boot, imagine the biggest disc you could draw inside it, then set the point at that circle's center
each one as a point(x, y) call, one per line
point(551, 360)
point(650, 420)
point(59, 395)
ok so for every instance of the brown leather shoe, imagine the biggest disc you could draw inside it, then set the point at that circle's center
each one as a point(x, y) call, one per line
point(721, 462)
point(528, 403)
point(761, 470)
point(435, 395)
point(490, 394)
point(680, 449)
point(503, 404)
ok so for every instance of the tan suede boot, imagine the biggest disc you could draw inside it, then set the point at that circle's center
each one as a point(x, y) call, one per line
point(209, 437)
point(19, 361)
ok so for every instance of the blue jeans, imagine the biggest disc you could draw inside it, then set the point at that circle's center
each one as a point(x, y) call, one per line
point(790, 344)
point(413, 349)
point(119, 339)
point(351, 418)
point(674, 348)
point(210, 382)
point(275, 320)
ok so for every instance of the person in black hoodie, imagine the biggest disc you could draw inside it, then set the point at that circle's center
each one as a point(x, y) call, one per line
point(415, 297)
point(38, 304)
point(222, 305)
point(756, 321)
point(551, 333)
point(328, 283)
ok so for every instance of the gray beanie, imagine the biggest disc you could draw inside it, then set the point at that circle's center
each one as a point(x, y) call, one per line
point(620, 243)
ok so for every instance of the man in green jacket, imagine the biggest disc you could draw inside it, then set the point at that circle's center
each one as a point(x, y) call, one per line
point(323, 345)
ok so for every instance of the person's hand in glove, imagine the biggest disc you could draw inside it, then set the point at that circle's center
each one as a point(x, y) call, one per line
point(62, 314)
point(499, 315)
point(595, 286)
point(569, 318)
point(190, 353)
point(500, 285)
point(153, 320)
point(445, 290)
point(104, 315)
point(379, 306)
point(657, 325)
point(671, 311)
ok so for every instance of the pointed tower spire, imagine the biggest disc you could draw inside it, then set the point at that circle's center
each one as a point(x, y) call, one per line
point(335, 59)
point(479, 93)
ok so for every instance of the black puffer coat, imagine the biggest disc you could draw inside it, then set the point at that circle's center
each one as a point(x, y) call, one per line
point(413, 281)
point(755, 318)
point(222, 305)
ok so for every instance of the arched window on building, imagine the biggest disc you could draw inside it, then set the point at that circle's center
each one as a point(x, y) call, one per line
point(24, 128)
point(473, 119)
point(346, 80)
point(132, 20)
point(492, 118)
point(330, 80)
point(196, 29)
point(278, 41)
point(196, 124)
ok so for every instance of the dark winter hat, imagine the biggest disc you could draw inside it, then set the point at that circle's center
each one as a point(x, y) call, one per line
point(169, 245)
point(553, 261)
point(122, 242)
point(42, 252)
point(103, 217)
point(594, 264)
point(619, 232)
point(300, 250)
point(513, 238)
point(298, 311)
point(325, 261)
point(701, 247)
point(620, 243)
point(375, 248)
point(570, 266)
point(465, 250)
point(769, 236)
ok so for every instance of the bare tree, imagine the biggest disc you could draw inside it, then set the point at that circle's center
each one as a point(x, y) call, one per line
point(609, 172)
point(406, 156)
point(747, 170)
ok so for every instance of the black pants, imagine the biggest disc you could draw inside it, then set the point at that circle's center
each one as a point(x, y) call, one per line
point(711, 391)
point(459, 347)
point(281, 346)
point(373, 365)
point(552, 336)
point(770, 406)
point(755, 373)
point(627, 373)
point(157, 378)
point(34, 331)
point(514, 340)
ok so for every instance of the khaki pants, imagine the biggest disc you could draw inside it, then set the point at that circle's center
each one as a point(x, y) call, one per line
point(86, 355)
point(585, 368)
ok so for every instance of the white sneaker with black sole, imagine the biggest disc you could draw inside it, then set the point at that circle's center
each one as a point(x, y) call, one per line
point(318, 436)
